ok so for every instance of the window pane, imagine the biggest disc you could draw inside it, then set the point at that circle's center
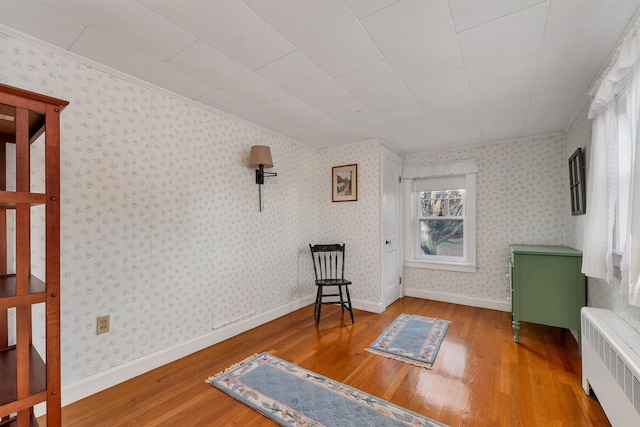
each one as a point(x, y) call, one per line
point(456, 206)
point(443, 237)
point(442, 203)
point(426, 207)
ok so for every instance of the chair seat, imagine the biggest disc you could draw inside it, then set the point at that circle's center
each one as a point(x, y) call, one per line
point(332, 282)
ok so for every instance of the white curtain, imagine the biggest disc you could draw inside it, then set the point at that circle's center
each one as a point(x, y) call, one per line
point(630, 264)
point(602, 183)
point(623, 74)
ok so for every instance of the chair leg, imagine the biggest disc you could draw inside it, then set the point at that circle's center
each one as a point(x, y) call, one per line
point(341, 299)
point(315, 304)
point(318, 306)
point(350, 308)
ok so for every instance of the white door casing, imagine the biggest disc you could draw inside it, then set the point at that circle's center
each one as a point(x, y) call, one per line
point(391, 227)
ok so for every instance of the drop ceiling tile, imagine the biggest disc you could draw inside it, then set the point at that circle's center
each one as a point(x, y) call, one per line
point(414, 143)
point(297, 133)
point(417, 37)
point(128, 22)
point(342, 136)
point(416, 136)
point(357, 117)
point(576, 60)
point(471, 13)
point(506, 49)
point(162, 75)
point(299, 76)
point(39, 21)
point(379, 88)
point(362, 8)
point(552, 112)
point(568, 18)
point(105, 50)
point(101, 48)
point(399, 118)
point(294, 110)
point(326, 31)
point(502, 110)
point(235, 106)
point(410, 121)
point(444, 95)
point(458, 129)
point(213, 67)
point(229, 26)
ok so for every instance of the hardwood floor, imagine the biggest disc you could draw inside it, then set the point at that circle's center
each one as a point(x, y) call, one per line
point(480, 376)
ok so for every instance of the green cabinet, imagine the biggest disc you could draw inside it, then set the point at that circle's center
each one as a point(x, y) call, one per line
point(547, 286)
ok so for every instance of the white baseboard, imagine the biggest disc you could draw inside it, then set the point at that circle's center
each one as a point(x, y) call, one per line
point(85, 387)
point(373, 307)
point(460, 299)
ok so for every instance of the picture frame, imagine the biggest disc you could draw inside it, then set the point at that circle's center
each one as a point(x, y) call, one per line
point(577, 182)
point(344, 183)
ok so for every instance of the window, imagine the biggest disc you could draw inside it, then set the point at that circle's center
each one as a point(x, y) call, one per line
point(440, 222)
point(624, 150)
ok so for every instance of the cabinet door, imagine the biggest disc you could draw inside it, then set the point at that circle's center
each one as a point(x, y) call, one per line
point(548, 290)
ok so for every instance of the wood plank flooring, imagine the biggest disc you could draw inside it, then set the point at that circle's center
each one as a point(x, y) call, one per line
point(480, 376)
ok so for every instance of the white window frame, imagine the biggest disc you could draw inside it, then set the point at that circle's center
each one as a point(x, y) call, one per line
point(624, 153)
point(465, 264)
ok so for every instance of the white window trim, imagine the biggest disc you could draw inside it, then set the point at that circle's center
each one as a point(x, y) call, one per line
point(466, 168)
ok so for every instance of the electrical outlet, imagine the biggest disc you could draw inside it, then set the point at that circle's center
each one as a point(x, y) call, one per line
point(102, 325)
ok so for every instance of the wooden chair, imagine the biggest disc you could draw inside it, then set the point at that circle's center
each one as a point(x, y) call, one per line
point(328, 265)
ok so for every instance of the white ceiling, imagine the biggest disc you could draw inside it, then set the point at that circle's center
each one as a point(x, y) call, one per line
point(417, 74)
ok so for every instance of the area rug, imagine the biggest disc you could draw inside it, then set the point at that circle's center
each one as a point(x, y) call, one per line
point(293, 396)
point(411, 339)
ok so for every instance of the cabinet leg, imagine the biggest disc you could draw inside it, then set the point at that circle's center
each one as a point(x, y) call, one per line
point(516, 330)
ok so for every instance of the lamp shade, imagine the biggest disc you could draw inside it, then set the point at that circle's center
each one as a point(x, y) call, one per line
point(260, 155)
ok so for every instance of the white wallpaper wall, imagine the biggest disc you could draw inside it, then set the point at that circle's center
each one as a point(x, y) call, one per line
point(521, 199)
point(160, 224)
point(357, 224)
point(600, 293)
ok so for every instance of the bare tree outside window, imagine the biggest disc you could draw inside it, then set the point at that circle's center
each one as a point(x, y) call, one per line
point(441, 220)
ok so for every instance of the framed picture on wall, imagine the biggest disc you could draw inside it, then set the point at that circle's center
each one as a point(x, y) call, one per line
point(577, 182)
point(345, 183)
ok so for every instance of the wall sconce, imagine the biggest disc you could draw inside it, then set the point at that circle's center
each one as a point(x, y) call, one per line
point(261, 157)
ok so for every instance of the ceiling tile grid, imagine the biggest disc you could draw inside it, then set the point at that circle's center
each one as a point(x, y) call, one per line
point(415, 74)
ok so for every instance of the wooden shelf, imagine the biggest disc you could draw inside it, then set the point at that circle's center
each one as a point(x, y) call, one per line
point(24, 117)
point(8, 298)
point(37, 374)
point(8, 127)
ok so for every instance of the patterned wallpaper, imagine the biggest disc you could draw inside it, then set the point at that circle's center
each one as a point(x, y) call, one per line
point(600, 293)
point(357, 224)
point(521, 199)
point(160, 224)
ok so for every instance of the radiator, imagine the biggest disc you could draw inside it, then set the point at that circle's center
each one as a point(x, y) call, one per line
point(611, 365)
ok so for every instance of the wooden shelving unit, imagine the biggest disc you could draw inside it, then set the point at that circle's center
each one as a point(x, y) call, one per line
point(26, 380)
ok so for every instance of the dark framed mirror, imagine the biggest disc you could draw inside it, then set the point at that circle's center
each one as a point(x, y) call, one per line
point(577, 182)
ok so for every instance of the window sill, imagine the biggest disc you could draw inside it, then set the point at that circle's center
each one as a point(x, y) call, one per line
point(450, 266)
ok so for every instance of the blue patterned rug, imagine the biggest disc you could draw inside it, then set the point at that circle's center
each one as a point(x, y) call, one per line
point(412, 339)
point(292, 396)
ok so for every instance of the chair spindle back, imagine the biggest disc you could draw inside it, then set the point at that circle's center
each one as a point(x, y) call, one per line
point(328, 261)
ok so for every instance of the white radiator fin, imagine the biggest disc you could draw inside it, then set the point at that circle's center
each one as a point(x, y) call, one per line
point(636, 392)
point(628, 382)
